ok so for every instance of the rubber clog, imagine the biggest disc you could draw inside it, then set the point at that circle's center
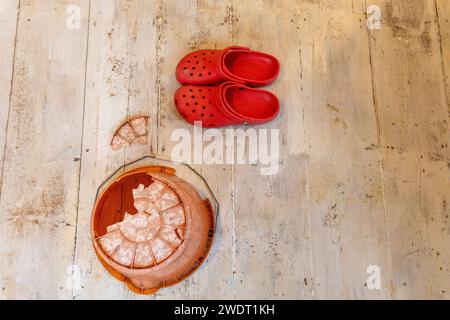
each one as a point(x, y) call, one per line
point(227, 104)
point(239, 64)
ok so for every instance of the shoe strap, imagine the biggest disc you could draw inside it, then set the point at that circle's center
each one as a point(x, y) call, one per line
point(223, 72)
point(223, 105)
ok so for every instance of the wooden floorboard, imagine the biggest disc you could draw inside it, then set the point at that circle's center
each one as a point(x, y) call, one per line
point(40, 180)
point(275, 261)
point(364, 130)
point(413, 124)
point(442, 13)
point(8, 11)
point(344, 182)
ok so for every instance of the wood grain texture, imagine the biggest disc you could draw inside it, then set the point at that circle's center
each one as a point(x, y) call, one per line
point(8, 25)
point(413, 124)
point(364, 158)
point(275, 261)
point(340, 131)
point(40, 181)
point(442, 11)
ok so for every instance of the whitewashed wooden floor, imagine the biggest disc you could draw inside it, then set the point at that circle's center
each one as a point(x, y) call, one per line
point(365, 162)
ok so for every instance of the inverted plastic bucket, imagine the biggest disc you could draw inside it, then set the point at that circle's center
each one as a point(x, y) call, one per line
point(150, 228)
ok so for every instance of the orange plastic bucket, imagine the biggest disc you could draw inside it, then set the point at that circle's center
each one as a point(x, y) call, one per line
point(151, 229)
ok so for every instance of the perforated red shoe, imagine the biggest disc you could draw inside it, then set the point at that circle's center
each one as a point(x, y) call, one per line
point(237, 64)
point(226, 104)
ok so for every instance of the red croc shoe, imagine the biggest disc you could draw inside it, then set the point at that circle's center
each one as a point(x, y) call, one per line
point(237, 64)
point(227, 104)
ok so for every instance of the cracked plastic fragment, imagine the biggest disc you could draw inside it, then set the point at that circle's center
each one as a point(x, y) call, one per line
point(133, 131)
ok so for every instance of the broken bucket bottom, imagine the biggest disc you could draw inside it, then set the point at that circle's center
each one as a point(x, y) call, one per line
point(150, 228)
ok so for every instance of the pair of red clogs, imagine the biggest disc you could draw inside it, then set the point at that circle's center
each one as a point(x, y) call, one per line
point(218, 87)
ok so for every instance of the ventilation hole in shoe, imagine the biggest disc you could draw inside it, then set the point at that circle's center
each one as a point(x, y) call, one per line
point(195, 57)
point(193, 110)
point(203, 107)
point(209, 101)
point(193, 97)
point(202, 115)
point(185, 68)
point(196, 62)
point(200, 74)
point(187, 103)
point(189, 61)
point(203, 53)
point(184, 96)
point(209, 73)
point(210, 61)
point(204, 67)
point(211, 115)
point(204, 59)
point(191, 74)
point(190, 90)
point(200, 90)
point(193, 68)
point(203, 97)
point(196, 103)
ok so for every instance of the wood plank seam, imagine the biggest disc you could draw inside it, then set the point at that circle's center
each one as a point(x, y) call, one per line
point(307, 193)
point(158, 45)
point(81, 144)
point(380, 153)
point(231, 18)
point(444, 73)
point(9, 103)
point(130, 76)
point(131, 50)
point(306, 160)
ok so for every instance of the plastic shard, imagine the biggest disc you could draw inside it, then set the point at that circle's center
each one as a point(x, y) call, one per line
point(132, 131)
